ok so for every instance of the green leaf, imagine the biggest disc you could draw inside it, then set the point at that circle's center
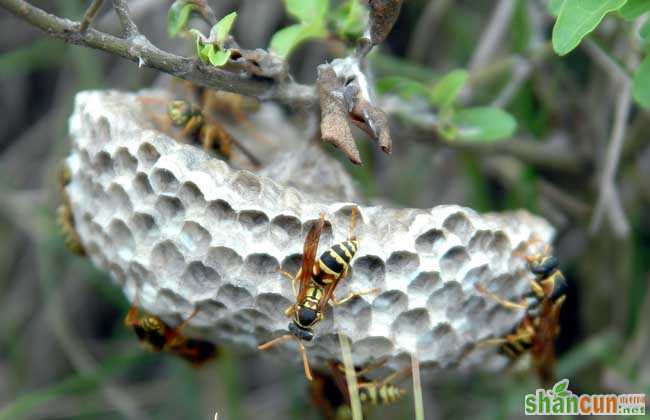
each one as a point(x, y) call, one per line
point(220, 30)
point(644, 32)
point(484, 124)
point(405, 87)
point(641, 84)
point(577, 18)
point(350, 19)
point(445, 92)
point(286, 39)
point(634, 8)
point(308, 11)
point(218, 57)
point(201, 47)
point(177, 17)
point(554, 7)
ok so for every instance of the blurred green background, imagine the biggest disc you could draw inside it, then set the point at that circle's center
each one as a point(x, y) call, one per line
point(64, 352)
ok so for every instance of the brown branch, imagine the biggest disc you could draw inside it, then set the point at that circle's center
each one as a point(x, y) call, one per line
point(90, 14)
point(142, 51)
point(124, 16)
point(383, 15)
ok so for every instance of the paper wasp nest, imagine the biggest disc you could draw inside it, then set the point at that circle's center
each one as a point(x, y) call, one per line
point(186, 230)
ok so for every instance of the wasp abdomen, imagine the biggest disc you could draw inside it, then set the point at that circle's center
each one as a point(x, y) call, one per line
point(385, 394)
point(335, 261)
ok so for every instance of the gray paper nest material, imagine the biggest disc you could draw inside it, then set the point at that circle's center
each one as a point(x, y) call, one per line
point(186, 230)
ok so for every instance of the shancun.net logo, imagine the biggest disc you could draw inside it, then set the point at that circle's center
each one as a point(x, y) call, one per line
point(560, 400)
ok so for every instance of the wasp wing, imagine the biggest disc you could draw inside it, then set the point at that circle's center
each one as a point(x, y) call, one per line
point(543, 350)
point(309, 256)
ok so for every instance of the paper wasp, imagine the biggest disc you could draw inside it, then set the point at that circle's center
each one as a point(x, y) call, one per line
point(317, 279)
point(64, 216)
point(540, 326)
point(330, 392)
point(156, 336)
point(194, 117)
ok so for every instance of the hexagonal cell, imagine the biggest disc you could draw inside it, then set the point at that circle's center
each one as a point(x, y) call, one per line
point(125, 163)
point(194, 238)
point(163, 181)
point(460, 225)
point(220, 210)
point(191, 196)
point(197, 279)
point(169, 209)
point(285, 229)
point(253, 221)
point(147, 155)
point(247, 185)
point(167, 259)
point(426, 243)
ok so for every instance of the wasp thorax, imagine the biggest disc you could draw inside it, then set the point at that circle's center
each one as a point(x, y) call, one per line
point(306, 317)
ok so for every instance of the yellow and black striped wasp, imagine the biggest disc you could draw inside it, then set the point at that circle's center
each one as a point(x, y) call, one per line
point(330, 392)
point(541, 325)
point(64, 217)
point(317, 279)
point(156, 336)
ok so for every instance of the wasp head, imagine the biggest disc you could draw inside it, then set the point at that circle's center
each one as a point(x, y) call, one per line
point(180, 112)
point(542, 265)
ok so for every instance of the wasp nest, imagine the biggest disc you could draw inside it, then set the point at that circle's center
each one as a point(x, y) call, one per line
point(182, 229)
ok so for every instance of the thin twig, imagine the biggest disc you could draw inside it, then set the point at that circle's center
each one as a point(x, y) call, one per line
point(145, 53)
point(491, 38)
point(607, 194)
point(606, 61)
point(420, 41)
point(90, 14)
point(128, 26)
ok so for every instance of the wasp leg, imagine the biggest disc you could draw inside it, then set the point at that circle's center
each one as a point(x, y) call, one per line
point(503, 302)
point(372, 366)
point(393, 376)
point(292, 279)
point(186, 321)
point(352, 296)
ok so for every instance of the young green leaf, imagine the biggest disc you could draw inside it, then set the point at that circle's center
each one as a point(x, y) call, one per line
point(220, 30)
point(350, 19)
point(177, 17)
point(308, 11)
point(634, 8)
point(403, 86)
point(286, 39)
point(641, 84)
point(484, 124)
point(554, 7)
point(218, 57)
point(446, 90)
point(577, 18)
point(644, 32)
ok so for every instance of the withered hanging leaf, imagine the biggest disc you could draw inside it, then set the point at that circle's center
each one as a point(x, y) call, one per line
point(334, 113)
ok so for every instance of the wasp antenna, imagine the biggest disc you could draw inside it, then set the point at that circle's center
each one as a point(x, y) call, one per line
point(305, 361)
point(274, 342)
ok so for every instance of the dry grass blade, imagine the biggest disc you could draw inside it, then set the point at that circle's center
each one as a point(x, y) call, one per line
point(351, 378)
point(417, 387)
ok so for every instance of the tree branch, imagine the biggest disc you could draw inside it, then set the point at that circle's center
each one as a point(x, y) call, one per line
point(141, 51)
point(124, 16)
point(90, 14)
